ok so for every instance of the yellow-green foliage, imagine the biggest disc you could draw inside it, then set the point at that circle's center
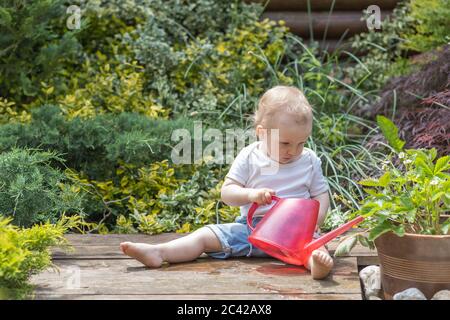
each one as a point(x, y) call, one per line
point(104, 88)
point(9, 112)
point(134, 197)
point(239, 58)
point(25, 252)
point(207, 212)
point(432, 27)
point(111, 88)
point(132, 191)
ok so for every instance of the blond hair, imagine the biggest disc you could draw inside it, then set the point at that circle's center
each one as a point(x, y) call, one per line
point(280, 99)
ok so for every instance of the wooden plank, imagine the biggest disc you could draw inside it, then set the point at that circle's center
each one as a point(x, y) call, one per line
point(302, 5)
point(250, 276)
point(368, 260)
point(341, 296)
point(92, 246)
point(116, 239)
point(335, 25)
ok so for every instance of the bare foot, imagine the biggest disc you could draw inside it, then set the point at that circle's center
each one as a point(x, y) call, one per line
point(147, 254)
point(320, 263)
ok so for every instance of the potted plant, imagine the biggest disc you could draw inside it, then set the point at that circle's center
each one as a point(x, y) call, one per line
point(406, 218)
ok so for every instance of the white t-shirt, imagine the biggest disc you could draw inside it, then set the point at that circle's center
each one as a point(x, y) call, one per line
point(301, 178)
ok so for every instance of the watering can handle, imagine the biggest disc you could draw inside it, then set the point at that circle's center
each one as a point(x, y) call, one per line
point(252, 210)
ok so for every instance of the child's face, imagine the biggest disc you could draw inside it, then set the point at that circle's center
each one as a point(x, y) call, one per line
point(292, 138)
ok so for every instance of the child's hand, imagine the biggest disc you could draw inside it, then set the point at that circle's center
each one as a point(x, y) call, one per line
point(261, 196)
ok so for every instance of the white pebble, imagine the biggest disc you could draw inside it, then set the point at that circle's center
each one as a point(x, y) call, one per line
point(410, 294)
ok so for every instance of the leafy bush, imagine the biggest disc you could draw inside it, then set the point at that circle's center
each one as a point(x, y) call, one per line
point(383, 54)
point(411, 198)
point(171, 24)
point(157, 198)
point(25, 252)
point(94, 145)
point(104, 21)
point(432, 28)
point(414, 25)
point(196, 202)
point(32, 49)
point(110, 91)
point(217, 71)
point(9, 112)
point(206, 60)
point(31, 191)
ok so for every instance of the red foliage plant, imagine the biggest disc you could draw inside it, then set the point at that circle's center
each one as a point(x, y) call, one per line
point(423, 104)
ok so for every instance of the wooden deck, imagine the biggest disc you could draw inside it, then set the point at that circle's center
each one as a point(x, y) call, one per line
point(97, 269)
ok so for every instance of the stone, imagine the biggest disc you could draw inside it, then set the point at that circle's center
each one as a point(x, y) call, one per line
point(371, 279)
point(410, 294)
point(442, 295)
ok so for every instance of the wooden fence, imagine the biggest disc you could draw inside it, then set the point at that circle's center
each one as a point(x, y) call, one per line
point(328, 21)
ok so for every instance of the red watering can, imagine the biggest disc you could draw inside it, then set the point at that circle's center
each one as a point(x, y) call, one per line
point(286, 230)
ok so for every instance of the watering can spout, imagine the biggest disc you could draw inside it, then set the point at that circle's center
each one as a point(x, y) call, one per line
point(313, 245)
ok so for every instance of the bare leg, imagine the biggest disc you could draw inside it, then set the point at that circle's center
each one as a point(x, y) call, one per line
point(187, 248)
point(320, 263)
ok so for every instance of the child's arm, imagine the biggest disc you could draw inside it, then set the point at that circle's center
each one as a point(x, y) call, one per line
point(234, 194)
point(324, 200)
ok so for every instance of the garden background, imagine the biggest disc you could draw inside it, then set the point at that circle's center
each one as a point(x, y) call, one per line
point(86, 115)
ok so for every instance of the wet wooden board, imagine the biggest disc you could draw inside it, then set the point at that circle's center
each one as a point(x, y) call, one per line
point(107, 246)
point(205, 277)
point(96, 269)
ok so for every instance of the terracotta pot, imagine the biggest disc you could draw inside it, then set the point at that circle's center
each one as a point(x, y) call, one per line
point(414, 261)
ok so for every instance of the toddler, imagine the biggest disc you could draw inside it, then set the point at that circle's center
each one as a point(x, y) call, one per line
point(298, 175)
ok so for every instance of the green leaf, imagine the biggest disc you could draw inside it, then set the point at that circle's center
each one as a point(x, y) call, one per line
point(398, 230)
point(380, 229)
point(365, 242)
point(374, 193)
point(432, 153)
point(437, 196)
point(5, 17)
point(345, 246)
point(390, 132)
point(385, 179)
point(442, 164)
point(407, 202)
point(369, 182)
point(445, 227)
point(411, 215)
point(423, 165)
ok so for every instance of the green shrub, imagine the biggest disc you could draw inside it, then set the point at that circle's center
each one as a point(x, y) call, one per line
point(414, 25)
point(109, 89)
point(33, 49)
point(32, 191)
point(412, 196)
point(201, 62)
point(212, 74)
point(157, 198)
point(105, 21)
point(196, 202)
point(25, 252)
point(432, 27)
point(383, 53)
point(94, 145)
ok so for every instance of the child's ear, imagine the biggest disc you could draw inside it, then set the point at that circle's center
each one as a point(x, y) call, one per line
point(259, 131)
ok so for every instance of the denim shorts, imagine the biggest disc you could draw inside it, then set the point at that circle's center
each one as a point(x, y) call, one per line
point(234, 239)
